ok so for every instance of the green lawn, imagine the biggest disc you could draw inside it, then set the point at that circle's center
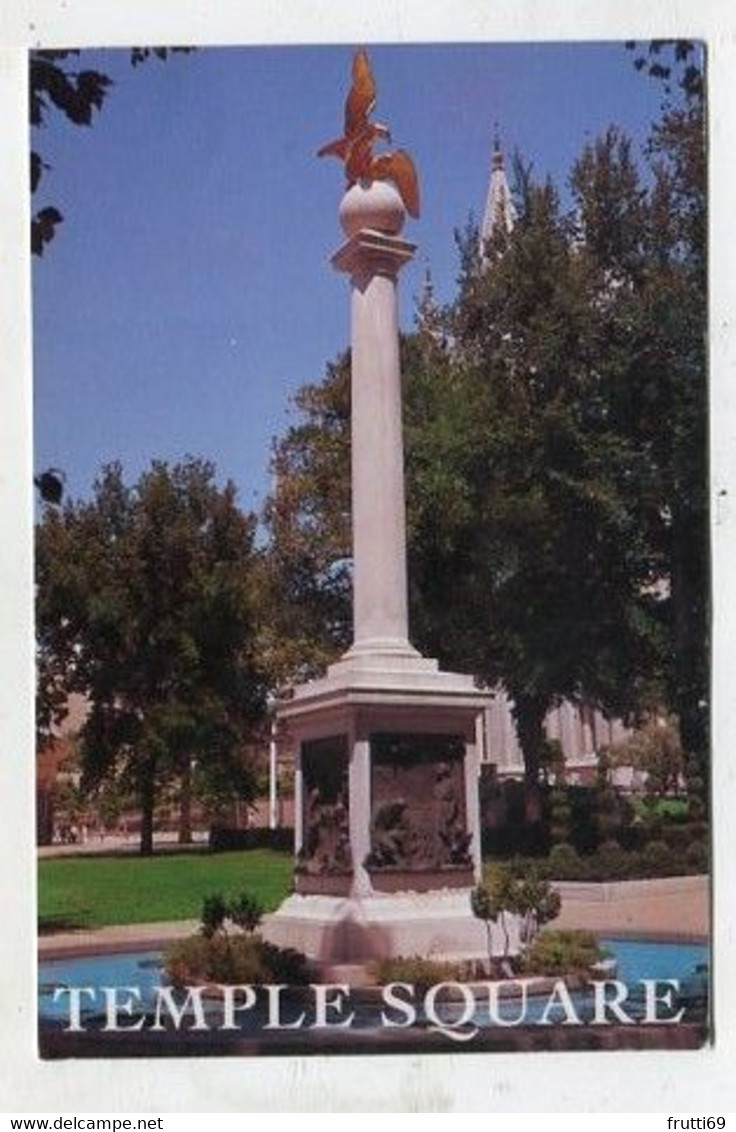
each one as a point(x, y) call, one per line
point(95, 891)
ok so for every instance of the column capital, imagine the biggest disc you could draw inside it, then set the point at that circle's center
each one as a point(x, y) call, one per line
point(374, 252)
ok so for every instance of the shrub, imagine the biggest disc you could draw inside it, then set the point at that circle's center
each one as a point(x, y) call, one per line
point(233, 959)
point(284, 964)
point(613, 862)
point(659, 859)
point(224, 840)
point(564, 862)
point(246, 912)
point(216, 959)
point(219, 956)
point(677, 837)
point(562, 953)
point(519, 890)
point(214, 913)
point(488, 902)
point(699, 830)
point(421, 973)
point(657, 851)
point(538, 903)
point(560, 815)
point(697, 856)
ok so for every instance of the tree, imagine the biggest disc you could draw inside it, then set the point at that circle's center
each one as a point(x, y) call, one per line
point(56, 85)
point(509, 893)
point(488, 902)
point(307, 589)
point(678, 305)
point(146, 604)
point(655, 749)
point(560, 571)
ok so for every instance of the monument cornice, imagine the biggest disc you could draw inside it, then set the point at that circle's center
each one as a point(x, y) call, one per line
point(373, 252)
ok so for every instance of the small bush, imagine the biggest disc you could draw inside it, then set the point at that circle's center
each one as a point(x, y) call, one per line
point(697, 856)
point(677, 837)
point(284, 964)
point(246, 912)
point(658, 855)
point(697, 809)
point(233, 959)
point(613, 862)
point(225, 840)
point(215, 959)
point(560, 815)
point(419, 972)
point(672, 809)
point(214, 912)
point(564, 861)
point(219, 955)
point(562, 953)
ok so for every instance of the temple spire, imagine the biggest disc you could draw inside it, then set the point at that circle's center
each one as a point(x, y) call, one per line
point(500, 214)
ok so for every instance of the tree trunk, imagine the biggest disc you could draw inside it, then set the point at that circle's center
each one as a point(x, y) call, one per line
point(148, 802)
point(529, 713)
point(185, 804)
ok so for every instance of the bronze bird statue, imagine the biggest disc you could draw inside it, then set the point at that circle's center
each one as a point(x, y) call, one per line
point(355, 147)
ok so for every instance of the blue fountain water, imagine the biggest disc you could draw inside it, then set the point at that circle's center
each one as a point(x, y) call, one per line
point(140, 969)
point(650, 959)
point(636, 959)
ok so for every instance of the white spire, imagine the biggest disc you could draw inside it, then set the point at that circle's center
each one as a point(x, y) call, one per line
point(500, 211)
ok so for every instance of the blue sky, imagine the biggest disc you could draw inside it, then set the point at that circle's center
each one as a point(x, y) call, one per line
point(188, 293)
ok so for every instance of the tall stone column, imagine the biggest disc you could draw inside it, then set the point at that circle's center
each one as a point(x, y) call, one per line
point(389, 745)
point(372, 217)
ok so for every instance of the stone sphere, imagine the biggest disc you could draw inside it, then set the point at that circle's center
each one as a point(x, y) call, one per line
point(374, 205)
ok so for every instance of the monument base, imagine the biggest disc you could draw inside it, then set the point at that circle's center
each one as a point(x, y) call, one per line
point(387, 832)
point(437, 925)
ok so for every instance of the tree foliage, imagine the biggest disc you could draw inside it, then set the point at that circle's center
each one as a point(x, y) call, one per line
point(55, 85)
point(146, 604)
point(308, 517)
point(558, 574)
point(655, 749)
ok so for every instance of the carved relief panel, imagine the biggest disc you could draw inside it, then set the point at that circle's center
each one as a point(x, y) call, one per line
point(418, 816)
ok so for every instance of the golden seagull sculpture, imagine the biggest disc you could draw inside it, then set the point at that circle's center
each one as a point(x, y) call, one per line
point(355, 148)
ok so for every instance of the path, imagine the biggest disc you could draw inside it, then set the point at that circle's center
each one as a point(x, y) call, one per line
point(675, 907)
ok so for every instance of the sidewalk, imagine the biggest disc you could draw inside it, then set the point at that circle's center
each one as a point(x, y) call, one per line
point(116, 938)
point(121, 843)
point(671, 907)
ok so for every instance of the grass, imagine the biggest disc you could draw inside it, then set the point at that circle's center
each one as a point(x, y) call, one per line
point(93, 892)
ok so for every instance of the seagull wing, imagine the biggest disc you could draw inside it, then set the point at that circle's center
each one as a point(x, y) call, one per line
point(336, 148)
point(362, 96)
point(399, 168)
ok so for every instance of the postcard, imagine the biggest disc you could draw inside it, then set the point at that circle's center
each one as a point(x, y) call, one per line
point(375, 628)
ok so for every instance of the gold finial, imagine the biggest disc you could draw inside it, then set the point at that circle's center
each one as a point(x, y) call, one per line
point(355, 148)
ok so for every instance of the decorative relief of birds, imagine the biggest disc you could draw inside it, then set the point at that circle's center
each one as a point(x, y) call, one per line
point(355, 148)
